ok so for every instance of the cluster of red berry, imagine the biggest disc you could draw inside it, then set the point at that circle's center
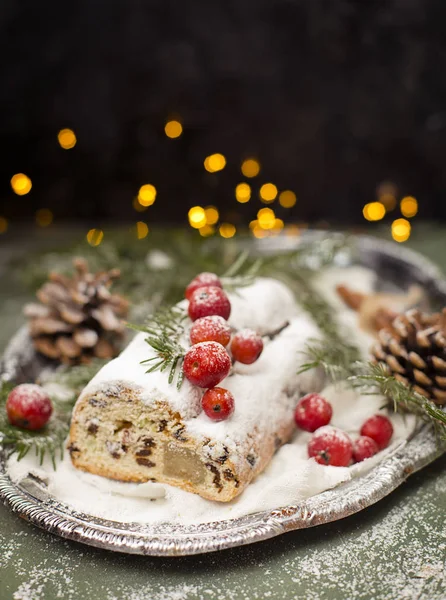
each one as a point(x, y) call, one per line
point(208, 362)
point(331, 446)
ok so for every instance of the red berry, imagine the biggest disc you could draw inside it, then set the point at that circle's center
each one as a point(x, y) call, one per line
point(364, 447)
point(379, 428)
point(206, 364)
point(312, 412)
point(28, 406)
point(246, 346)
point(202, 280)
point(218, 403)
point(331, 446)
point(210, 329)
point(209, 301)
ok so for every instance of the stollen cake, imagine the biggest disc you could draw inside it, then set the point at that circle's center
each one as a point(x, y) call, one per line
point(134, 426)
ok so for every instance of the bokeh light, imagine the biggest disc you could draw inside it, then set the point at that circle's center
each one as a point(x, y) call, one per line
point(268, 192)
point(250, 167)
point(227, 230)
point(95, 237)
point(211, 214)
point(137, 206)
point(21, 184)
point(278, 226)
point(266, 218)
point(243, 193)
point(142, 230)
point(409, 206)
point(3, 225)
point(287, 199)
point(389, 201)
point(214, 163)
point(197, 217)
point(374, 211)
point(401, 230)
point(206, 230)
point(147, 194)
point(173, 129)
point(67, 139)
point(44, 217)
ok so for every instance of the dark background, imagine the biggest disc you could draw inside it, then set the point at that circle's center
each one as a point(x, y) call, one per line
point(333, 97)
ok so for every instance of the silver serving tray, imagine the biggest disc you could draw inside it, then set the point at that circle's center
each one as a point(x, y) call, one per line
point(397, 267)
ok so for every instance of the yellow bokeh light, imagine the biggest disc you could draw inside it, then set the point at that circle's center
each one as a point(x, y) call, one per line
point(278, 225)
point(44, 217)
point(389, 201)
point(266, 218)
point(147, 194)
point(67, 139)
point(268, 192)
point(211, 214)
point(142, 230)
point(173, 129)
point(95, 237)
point(292, 230)
point(197, 217)
point(21, 184)
point(206, 230)
point(253, 224)
point(374, 211)
point(3, 225)
point(250, 167)
point(227, 230)
point(409, 206)
point(243, 192)
point(214, 163)
point(258, 232)
point(401, 230)
point(287, 199)
point(137, 206)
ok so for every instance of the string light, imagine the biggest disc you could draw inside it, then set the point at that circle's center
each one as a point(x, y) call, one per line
point(142, 230)
point(197, 217)
point(287, 199)
point(374, 211)
point(206, 230)
point(266, 218)
point(147, 194)
point(401, 230)
point(95, 237)
point(250, 167)
point(211, 214)
point(214, 163)
point(268, 192)
point(3, 225)
point(44, 217)
point(227, 230)
point(67, 139)
point(243, 193)
point(409, 206)
point(21, 184)
point(173, 129)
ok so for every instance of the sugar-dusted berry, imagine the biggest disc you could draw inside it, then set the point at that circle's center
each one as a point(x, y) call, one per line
point(246, 346)
point(202, 280)
point(312, 412)
point(364, 447)
point(209, 301)
point(379, 428)
point(218, 403)
point(331, 446)
point(29, 406)
point(206, 364)
point(210, 329)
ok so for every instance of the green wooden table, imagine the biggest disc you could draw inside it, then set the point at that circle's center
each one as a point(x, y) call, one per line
point(393, 550)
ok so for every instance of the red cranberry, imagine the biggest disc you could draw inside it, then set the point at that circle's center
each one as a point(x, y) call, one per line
point(209, 301)
point(206, 364)
point(379, 428)
point(218, 403)
point(246, 346)
point(29, 406)
point(312, 412)
point(331, 446)
point(364, 447)
point(202, 280)
point(210, 329)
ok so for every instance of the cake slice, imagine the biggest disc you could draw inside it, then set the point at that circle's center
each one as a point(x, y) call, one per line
point(134, 426)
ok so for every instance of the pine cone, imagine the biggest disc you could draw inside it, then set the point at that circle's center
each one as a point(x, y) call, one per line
point(78, 317)
point(413, 348)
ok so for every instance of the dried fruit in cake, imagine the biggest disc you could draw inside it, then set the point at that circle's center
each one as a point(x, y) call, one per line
point(331, 446)
point(246, 346)
point(364, 447)
point(206, 364)
point(380, 429)
point(218, 403)
point(28, 406)
point(312, 412)
point(210, 329)
point(209, 301)
point(202, 280)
